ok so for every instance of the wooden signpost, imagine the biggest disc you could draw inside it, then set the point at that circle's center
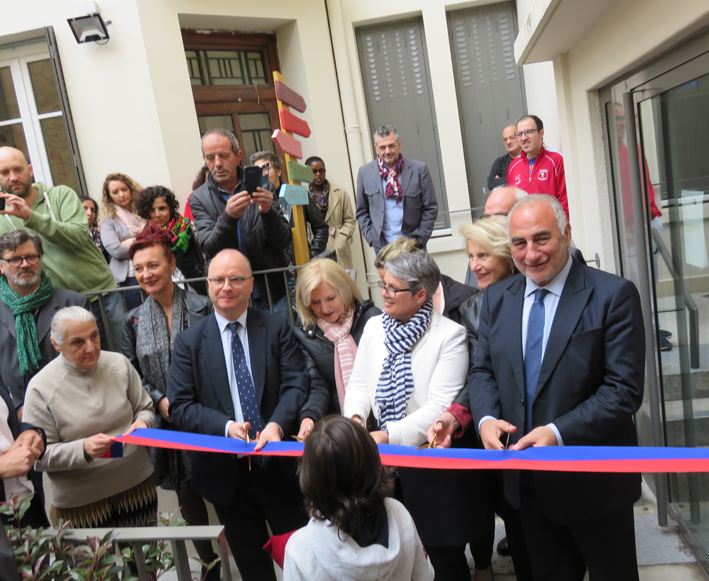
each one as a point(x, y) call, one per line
point(295, 194)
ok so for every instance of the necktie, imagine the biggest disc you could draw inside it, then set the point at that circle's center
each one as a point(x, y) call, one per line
point(245, 386)
point(533, 351)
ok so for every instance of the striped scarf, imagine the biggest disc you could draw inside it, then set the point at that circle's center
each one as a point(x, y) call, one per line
point(396, 381)
point(345, 350)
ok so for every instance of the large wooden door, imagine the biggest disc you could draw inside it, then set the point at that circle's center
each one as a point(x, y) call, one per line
point(232, 85)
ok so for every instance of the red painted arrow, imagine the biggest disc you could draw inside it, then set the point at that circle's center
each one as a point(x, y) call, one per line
point(290, 97)
point(287, 143)
point(290, 122)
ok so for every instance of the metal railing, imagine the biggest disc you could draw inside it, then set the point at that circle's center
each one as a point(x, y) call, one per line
point(283, 271)
point(691, 306)
point(176, 536)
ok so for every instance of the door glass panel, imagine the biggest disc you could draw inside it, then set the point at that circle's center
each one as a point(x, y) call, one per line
point(58, 152)
point(14, 136)
point(673, 127)
point(8, 101)
point(45, 89)
point(256, 133)
point(207, 122)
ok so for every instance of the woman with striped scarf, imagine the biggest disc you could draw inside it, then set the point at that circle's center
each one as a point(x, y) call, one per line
point(411, 364)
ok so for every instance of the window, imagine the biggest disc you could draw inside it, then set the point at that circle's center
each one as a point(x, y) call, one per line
point(31, 117)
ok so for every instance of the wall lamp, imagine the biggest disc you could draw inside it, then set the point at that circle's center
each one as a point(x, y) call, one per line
point(89, 28)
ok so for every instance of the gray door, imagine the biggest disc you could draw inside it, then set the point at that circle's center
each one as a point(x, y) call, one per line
point(489, 85)
point(397, 89)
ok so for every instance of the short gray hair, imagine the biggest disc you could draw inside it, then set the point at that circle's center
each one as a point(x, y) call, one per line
point(417, 269)
point(518, 192)
point(223, 133)
point(68, 315)
point(551, 201)
point(12, 239)
point(385, 131)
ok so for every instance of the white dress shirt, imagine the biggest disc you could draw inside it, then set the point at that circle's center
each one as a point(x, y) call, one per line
point(225, 333)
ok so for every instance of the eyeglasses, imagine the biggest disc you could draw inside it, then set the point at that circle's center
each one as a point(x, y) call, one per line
point(15, 261)
point(390, 290)
point(322, 171)
point(265, 169)
point(527, 132)
point(219, 281)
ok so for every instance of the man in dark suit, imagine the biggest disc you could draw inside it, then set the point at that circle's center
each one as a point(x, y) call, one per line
point(27, 299)
point(238, 372)
point(560, 362)
point(395, 196)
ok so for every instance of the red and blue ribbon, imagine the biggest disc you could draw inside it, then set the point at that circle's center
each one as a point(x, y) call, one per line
point(553, 458)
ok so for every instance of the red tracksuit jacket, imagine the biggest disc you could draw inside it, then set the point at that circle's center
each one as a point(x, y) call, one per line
point(547, 175)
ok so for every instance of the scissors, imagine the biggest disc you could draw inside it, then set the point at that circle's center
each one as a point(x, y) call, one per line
point(507, 441)
point(432, 443)
point(299, 439)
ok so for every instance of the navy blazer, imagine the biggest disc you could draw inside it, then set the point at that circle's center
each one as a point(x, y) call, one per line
point(420, 203)
point(200, 398)
point(590, 384)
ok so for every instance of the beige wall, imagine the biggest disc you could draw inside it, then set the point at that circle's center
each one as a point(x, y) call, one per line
point(109, 89)
point(628, 34)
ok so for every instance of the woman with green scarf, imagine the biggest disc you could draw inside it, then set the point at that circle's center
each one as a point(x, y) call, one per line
point(158, 204)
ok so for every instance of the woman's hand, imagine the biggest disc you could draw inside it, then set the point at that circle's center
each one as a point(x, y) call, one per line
point(442, 430)
point(97, 446)
point(306, 426)
point(135, 425)
point(380, 437)
point(163, 407)
point(128, 242)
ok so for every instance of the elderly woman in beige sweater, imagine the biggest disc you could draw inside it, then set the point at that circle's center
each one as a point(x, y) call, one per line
point(83, 400)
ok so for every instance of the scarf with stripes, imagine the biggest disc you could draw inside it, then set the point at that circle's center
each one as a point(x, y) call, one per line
point(345, 350)
point(396, 381)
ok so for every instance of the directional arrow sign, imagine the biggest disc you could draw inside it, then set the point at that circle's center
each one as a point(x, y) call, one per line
point(290, 97)
point(287, 143)
point(299, 172)
point(290, 122)
point(294, 195)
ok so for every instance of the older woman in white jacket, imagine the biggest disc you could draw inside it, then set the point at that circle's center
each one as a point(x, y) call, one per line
point(411, 362)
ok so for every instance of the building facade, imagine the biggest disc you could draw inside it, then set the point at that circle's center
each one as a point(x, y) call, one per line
point(620, 85)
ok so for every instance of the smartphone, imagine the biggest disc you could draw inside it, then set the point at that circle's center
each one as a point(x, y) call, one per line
point(252, 178)
point(2, 204)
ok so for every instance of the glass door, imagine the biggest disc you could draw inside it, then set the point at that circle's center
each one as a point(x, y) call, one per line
point(671, 114)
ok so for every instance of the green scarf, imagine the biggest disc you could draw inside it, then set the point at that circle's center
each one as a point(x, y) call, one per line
point(22, 308)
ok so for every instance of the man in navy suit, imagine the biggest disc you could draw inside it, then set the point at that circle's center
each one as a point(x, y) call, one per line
point(560, 361)
point(235, 372)
point(395, 196)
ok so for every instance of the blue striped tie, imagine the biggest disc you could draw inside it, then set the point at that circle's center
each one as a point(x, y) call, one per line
point(533, 351)
point(245, 385)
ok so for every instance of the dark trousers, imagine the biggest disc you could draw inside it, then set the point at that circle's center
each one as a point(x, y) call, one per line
point(261, 495)
point(513, 528)
point(562, 551)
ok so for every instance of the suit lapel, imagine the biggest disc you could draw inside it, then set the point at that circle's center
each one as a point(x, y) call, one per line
point(257, 351)
point(572, 303)
point(513, 303)
point(46, 315)
point(213, 350)
point(8, 320)
point(406, 174)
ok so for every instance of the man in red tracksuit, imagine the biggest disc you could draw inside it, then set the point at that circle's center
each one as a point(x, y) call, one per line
point(537, 170)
